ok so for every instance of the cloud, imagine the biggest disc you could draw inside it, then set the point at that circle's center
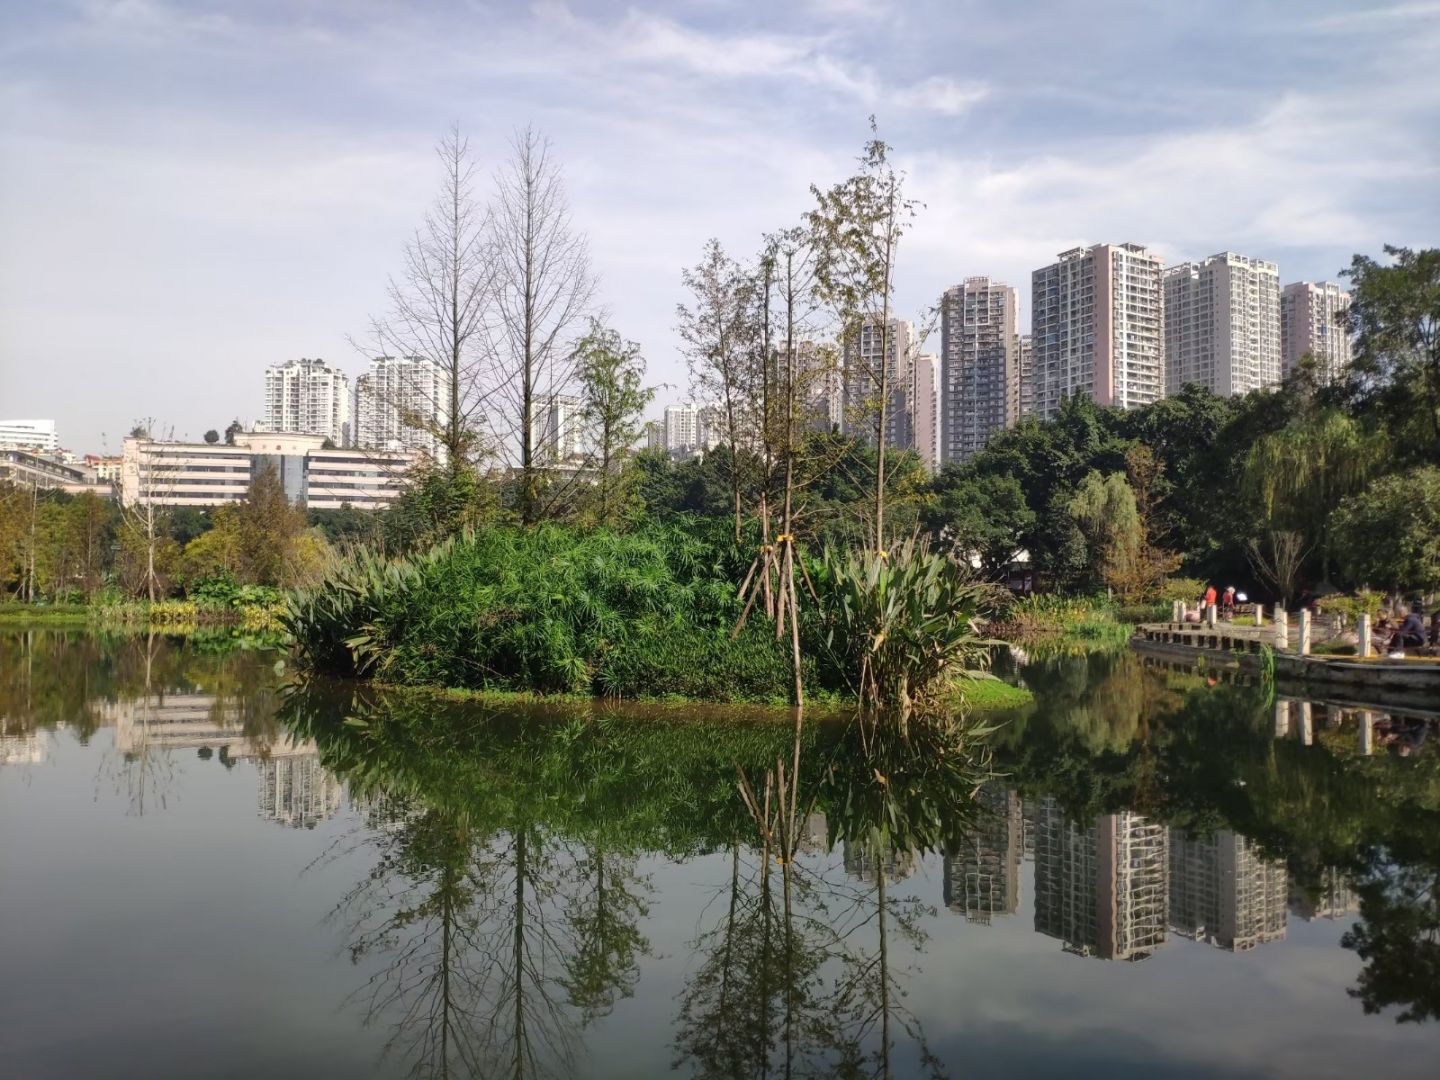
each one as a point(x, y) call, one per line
point(942, 95)
point(256, 215)
point(1377, 17)
point(772, 60)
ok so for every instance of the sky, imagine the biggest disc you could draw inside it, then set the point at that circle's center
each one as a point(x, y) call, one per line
point(190, 192)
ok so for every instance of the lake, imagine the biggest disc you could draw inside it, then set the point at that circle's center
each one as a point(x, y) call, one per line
point(209, 869)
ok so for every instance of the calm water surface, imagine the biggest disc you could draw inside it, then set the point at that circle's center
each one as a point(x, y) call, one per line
point(205, 874)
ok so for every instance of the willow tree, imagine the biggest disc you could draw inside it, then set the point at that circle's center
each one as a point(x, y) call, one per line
point(1299, 474)
point(858, 224)
point(543, 290)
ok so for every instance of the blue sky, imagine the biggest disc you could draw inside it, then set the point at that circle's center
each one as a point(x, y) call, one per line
point(191, 191)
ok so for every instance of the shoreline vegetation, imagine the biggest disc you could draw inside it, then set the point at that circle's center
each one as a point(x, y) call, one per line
point(648, 614)
point(175, 616)
point(767, 560)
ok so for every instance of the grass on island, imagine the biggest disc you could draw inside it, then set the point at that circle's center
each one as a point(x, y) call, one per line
point(987, 693)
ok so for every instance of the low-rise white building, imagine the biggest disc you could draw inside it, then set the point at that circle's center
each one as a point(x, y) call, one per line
point(29, 435)
point(213, 474)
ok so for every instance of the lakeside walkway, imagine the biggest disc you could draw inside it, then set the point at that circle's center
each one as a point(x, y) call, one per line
point(1285, 651)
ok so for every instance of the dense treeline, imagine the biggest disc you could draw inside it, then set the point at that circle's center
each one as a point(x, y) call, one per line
point(60, 548)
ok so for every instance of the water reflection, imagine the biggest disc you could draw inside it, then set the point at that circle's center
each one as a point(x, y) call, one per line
point(509, 895)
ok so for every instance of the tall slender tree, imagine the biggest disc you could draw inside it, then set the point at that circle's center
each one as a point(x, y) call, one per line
point(720, 332)
point(543, 290)
point(613, 398)
point(439, 305)
point(858, 224)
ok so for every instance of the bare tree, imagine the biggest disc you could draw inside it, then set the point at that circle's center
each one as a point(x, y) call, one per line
point(145, 519)
point(542, 292)
point(438, 307)
point(720, 332)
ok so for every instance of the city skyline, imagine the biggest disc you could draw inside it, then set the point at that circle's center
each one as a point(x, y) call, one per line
point(229, 221)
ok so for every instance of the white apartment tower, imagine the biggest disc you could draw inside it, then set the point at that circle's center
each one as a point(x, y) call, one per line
point(1222, 324)
point(691, 428)
point(559, 430)
point(681, 428)
point(401, 403)
point(980, 365)
point(308, 397)
point(862, 381)
point(1098, 324)
point(1313, 320)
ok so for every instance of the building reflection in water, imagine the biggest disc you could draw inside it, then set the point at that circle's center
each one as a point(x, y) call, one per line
point(1102, 889)
point(26, 748)
point(1335, 899)
point(982, 878)
point(863, 865)
point(292, 787)
point(1223, 891)
point(295, 790)
point(1116, 887)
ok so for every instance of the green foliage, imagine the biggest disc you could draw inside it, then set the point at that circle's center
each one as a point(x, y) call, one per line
point(1104, 510)
point(437, 503)
point(980, 516)
point(900, 626)
point(613, 396)
point(1389, 534)
point(547, 609)
point(1395, 375)
point(1064, 622)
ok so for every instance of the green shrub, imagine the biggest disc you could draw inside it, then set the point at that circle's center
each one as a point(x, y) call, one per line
point(548, 609)
point(699, 664)
point(898, 627)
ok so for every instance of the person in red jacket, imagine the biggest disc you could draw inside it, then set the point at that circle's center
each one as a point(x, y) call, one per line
point(1208, 599)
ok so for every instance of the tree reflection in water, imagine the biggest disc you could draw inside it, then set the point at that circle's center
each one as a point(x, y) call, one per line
point(517, 859)
point(798, 978)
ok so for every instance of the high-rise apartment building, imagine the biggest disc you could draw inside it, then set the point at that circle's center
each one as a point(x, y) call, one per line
point(401, 403)
point(681, 428)
point(1025, 378)
point(863, 367)
point(308, 397)
point(1313, 320)
point(982, 877)
point(1102, 890)
point(1225, 892)
point(925, 409)
point(1222, 324)
point(691, 429)
point(559, 431)
point(980, 365)
point(1098, 323)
